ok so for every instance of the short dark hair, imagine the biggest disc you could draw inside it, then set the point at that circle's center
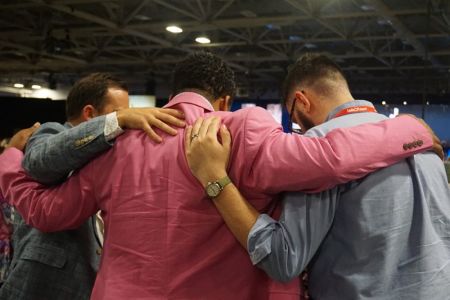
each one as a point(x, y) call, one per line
point(206, 72)
point(91, 90)
point(314, 70)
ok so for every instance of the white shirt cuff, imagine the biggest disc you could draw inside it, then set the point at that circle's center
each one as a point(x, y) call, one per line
point(112, 128)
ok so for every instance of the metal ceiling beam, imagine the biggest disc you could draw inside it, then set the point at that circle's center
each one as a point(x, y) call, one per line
point(51, 65)
point(34, 51)
point(27, 36)
point(222, 9)
point(135, 11)
point(266, 54)
point(277, 57)
point(33, 5)
point(230, 23)
point(230, 32)
point(332, 28)
point(401, 29)
point(197, 18)
point(115, 27)
point(106, 23)
point(179, 10)
point(274, 58)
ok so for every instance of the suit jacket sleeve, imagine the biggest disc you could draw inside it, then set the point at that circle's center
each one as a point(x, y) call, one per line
point(289, 162)
point(54, 150)
point(61, 207)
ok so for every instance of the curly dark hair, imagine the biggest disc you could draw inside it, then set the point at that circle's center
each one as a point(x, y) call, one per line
point(313, 70)
point(91, 90)
point(206, 72)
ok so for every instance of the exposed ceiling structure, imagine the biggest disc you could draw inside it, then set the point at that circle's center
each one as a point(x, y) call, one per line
point(389, 46)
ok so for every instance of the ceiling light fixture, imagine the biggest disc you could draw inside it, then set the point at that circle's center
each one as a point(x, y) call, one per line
point(174, 29)
point(202, 40)
point(36, 87)
point(142, 18)
point(310, 46)
point(367, 7)
point(18, 85)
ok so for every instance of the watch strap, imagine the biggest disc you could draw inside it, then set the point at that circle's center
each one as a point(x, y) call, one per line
point(224, 181)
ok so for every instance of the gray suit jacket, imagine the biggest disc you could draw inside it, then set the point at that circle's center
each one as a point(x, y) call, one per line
point(60, 265)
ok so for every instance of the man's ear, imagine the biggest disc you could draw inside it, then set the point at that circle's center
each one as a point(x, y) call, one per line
point(88, 112)
point(303, 101)
point(225, 103)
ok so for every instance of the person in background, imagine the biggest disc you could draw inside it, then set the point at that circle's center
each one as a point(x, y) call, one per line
point(385, 236)
point(63, 265)
point(6, 212)
point(164, 238)
point(3, 144)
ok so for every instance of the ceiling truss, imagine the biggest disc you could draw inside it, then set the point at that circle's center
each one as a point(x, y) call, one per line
point(403, 40)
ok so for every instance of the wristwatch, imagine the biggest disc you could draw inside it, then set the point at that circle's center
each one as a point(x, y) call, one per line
point(214, 188)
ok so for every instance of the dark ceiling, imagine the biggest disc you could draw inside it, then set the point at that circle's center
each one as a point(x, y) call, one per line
point(399, 47)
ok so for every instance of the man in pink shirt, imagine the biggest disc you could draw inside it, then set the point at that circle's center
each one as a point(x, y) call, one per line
point(163, 237)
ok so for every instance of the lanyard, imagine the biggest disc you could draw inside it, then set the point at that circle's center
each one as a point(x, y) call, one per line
point(355, 110)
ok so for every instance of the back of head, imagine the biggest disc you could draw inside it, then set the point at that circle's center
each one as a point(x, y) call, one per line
point(91, 90)
point(317, 72)
point(206, 73)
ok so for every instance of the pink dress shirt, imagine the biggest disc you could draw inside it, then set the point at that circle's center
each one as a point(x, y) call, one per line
point(163, 238)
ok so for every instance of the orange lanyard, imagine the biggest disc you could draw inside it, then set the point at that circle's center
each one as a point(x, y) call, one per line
point(354, 110)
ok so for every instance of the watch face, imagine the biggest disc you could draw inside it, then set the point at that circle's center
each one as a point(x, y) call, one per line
point(213, 189)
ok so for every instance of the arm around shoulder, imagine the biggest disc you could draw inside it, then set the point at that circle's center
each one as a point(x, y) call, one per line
point(289, 162)
point(57, 208)
point(55, 150)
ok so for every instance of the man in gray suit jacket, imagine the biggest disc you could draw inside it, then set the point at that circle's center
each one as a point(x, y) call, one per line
point(63, 265)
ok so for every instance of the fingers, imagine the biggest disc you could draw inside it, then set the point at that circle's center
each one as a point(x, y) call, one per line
point(187, 137)
point(210, 126)
point(214, 127)
point(161, 125)
point(151, 133)
point(197, 125)
point(437, 146)
point(174, 112)
point(439, 150)
point(225, 135)
point(167, 116)
point(204, 128)
point(29, 131)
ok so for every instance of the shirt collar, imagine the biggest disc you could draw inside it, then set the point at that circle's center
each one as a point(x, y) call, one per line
point(193, 98)
point(349, 104)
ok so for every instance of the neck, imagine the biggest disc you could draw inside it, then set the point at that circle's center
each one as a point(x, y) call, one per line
point(76, 121)
point(329, 106)
point(205, 94)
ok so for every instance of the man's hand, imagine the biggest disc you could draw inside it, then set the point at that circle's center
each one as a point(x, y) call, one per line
point(146, 118)
point(206, 156)
point(437, 146)
point(20, 139)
